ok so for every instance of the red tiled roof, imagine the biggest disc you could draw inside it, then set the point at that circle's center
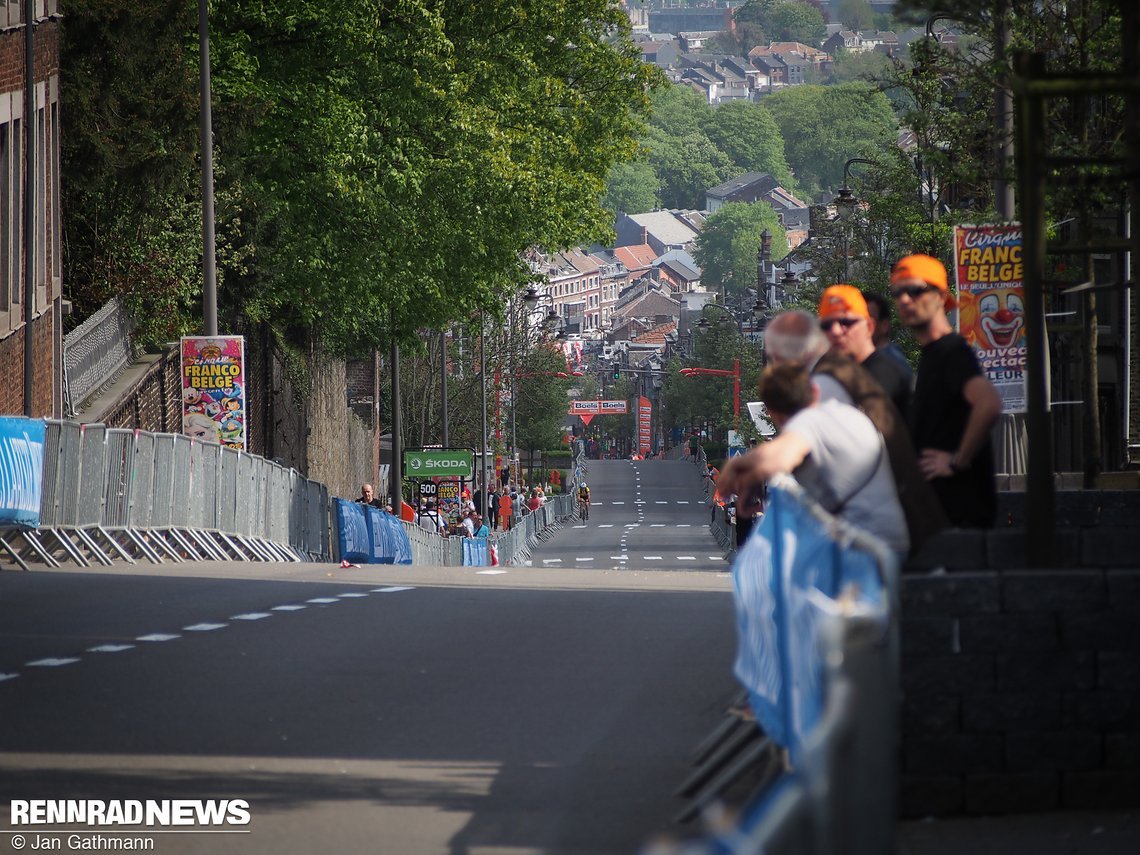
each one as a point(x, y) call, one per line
point(657, 334)
point(635, 257)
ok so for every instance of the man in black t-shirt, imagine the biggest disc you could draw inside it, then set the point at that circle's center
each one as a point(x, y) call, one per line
point(844, 319)
point(954, 405)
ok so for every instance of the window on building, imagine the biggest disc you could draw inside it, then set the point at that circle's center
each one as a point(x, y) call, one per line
point(41, 247)
point(5, 219)
point(15, 197)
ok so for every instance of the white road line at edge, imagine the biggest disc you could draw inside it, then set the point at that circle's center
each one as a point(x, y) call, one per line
point(393, 589)
point(489, 572)
point(51, 662)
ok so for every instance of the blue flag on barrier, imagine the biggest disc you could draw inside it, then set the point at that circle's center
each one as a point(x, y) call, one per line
point(352, 532)
point(789, 556)
point(21, 471)
point(475, 552)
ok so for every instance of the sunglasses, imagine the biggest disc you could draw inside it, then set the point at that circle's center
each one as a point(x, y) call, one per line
point(912, 291)
point(846, 323)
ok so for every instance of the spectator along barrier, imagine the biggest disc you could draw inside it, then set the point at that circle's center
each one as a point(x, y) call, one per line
point(88, 493)
point(818, 660)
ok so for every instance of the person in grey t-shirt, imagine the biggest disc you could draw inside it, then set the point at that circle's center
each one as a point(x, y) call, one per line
point(832, 449)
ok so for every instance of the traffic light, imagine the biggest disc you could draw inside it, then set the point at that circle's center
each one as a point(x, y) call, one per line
point(617, 373)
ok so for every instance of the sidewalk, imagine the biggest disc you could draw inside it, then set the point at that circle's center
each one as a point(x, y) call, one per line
point(1077, 832)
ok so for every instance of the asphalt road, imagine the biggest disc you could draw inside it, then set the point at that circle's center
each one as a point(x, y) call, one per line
point(645, 515)
point(382, 709)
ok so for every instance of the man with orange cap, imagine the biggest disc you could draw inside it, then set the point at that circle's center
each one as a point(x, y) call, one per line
point(954, 405)
point(845, 320)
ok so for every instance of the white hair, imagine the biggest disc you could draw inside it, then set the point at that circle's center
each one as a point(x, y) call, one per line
point(795, 337)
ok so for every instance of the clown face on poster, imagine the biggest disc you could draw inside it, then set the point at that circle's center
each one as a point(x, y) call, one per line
point(213, 389)
point(991, 305)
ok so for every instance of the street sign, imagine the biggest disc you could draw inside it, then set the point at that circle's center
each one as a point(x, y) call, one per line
point(596, 408)
point(444, 462)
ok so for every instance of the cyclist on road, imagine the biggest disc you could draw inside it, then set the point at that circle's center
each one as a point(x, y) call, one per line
point(584, 500)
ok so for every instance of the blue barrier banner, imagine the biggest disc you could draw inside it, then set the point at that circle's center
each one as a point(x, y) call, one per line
point(786, 564)
point(352, 532)
point(475, 552)
point(21, 471)
point(381, 549)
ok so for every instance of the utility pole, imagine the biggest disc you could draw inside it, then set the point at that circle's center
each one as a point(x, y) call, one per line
point(443, 385)
point(397, 472)
point(209, 270)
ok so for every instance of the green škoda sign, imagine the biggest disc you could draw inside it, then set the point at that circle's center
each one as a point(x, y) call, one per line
point(445, 462)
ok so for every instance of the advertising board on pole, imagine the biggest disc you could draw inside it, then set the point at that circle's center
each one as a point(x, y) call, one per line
point(598, 408)
point(213, 389)
point(644, 426)
point(991, 307)
point(442, 462)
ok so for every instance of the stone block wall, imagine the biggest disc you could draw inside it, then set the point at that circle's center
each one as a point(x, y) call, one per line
point(1021, 688)
point(314, 432)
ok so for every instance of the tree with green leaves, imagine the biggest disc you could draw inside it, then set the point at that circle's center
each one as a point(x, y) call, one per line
point(748, 134)
point(856, 14)
point(727, 246)
point(759, 22)
point(542, 400)
point(686, 167)
point(824, 126)
point(382, 163)
point(689, 401)
point(631, 188)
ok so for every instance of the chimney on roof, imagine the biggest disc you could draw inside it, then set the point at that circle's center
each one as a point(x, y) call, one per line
point(644, 235)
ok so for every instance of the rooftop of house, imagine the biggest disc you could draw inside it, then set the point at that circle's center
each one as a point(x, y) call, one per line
point(666, 227)
point(635, 257)
point(740, 182)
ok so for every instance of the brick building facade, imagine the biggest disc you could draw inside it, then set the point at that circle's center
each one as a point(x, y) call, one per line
point(46, 304)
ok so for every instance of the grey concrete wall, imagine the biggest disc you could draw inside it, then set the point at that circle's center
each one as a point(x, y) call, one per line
point(1021, 688)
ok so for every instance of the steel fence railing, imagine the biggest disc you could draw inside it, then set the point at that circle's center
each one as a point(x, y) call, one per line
point(111, 494)
point(117, 493)
point(817, 616)
point(96, 351)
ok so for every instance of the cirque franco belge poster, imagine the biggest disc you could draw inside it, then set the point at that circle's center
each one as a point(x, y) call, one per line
point(991, 305)
point(213, 389)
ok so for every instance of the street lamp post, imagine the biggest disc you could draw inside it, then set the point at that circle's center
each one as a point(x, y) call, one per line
point(845, 204)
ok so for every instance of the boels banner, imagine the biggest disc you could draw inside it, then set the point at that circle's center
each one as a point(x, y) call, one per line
point(991, 305)
point(598, 408)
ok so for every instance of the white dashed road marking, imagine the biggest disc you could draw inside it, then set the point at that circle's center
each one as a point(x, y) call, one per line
point(716, 558)
point(203, 627)
point(253, 615)
point(4, 677)
point(287, 608)
point(579, 526)
point(652, 557)
point(352, 595)
point(657, 525)
point(110, 648)
point(686, 558)
point(618, 503)
point(619, 558)
point(322, 600)
point(606, 525)
point(551, 560)
point(660, 503)
point(681, 503)
point(683, 525)
point(51, 663)
point(392, 589)
point(583, 559)
point(157, 636)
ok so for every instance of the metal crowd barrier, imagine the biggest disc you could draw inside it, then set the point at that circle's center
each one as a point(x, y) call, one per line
point(110, 493)
point(97, 349)
point(815, 731)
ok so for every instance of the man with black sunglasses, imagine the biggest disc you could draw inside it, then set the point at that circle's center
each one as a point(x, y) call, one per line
point(845, 320)
point(955, 405)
